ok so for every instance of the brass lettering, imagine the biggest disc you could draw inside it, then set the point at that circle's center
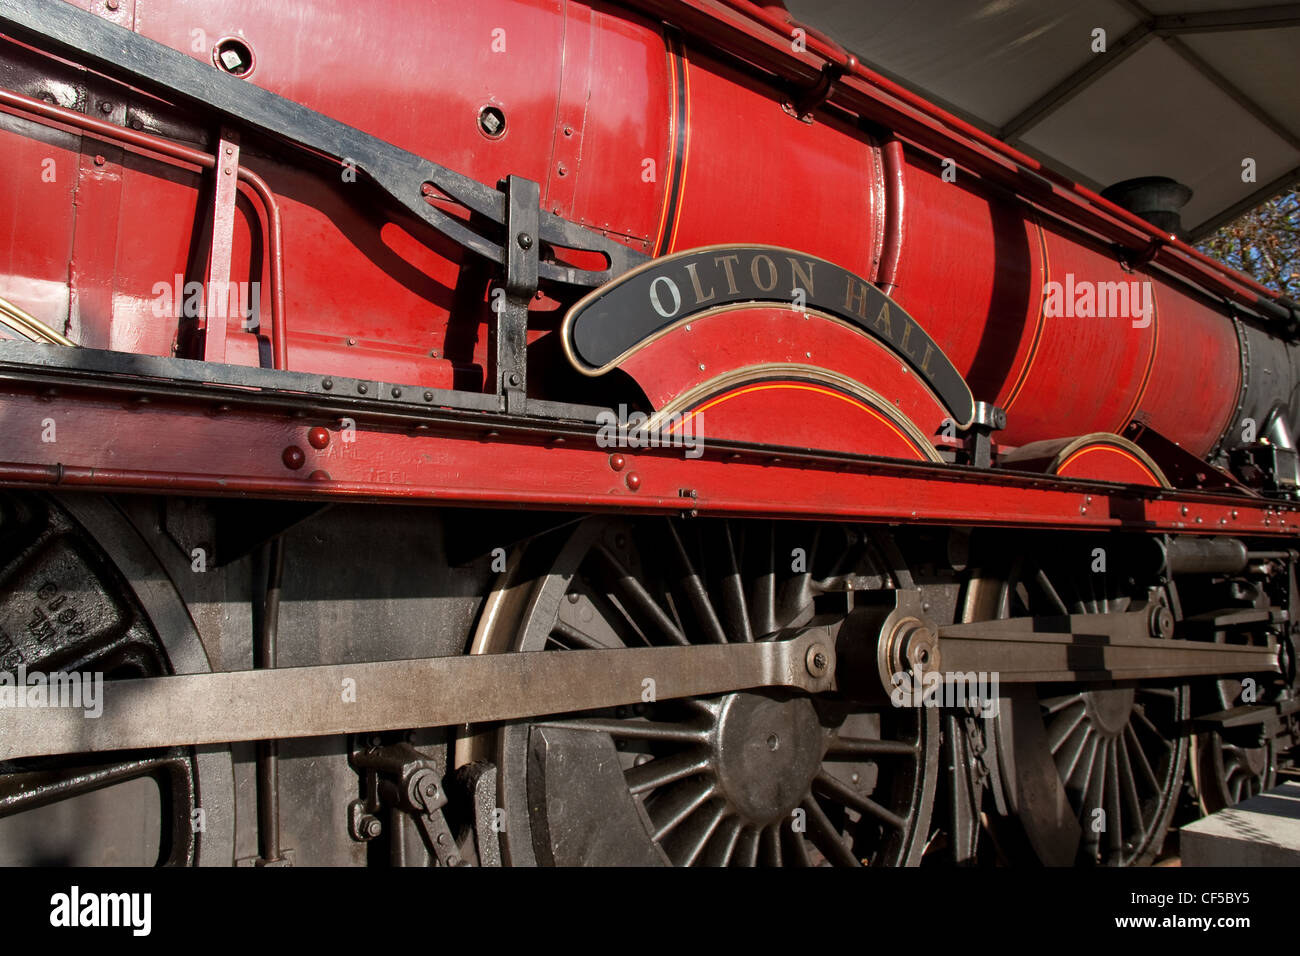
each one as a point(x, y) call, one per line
point(860, 298)
point(907, 334)
point(884, 314)
point(727, 266)
point(802, 280)
point(700, 295)
point(771, 273)
point(925, 361)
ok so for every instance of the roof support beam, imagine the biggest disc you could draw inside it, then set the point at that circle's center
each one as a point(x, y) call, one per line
point(1260, 195)
point(1099, 65)
point(1277, 128)
point(1221, 21)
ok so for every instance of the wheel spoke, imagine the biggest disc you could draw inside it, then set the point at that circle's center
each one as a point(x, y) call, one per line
point(1129, 786)
point(634, 592)
point(828, 786)
point(771, 845)
point(1049, 592)
point(723, 844)
point(24, 790)
point(665, 770)
point(1067, 762)
point(633, 729)
point(680, 803)
point(1155, 732)
point(697, 845)
point(795, 848)
point(867, 747)
point(746, 851)
point(824, 835)
point(692, 584)
point(1063, 727)
point(764, 616)
point(1144, 765)
point(1114, 815)
point(580, 638)
point(734, 604)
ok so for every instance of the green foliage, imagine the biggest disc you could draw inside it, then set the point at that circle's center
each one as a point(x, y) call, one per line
point(1263, 243)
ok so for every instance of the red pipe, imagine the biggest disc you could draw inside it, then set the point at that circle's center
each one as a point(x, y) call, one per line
point(891, 155)
point(155, 144)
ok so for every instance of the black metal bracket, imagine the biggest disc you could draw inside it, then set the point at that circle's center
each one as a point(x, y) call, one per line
point(411, 180)
point(979, 434)
point(398, 777)
point(509, 348)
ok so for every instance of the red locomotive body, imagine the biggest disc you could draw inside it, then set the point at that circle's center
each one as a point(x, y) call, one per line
point(268, 252)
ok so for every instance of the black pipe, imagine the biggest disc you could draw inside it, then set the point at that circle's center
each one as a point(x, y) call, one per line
point(264, 655)
point(1205, 556)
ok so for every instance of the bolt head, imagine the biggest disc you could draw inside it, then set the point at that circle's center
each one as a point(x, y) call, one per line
point(525, 240)
point(817, 660)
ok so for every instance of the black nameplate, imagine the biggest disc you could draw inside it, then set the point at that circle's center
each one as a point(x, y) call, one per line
point(614, 319)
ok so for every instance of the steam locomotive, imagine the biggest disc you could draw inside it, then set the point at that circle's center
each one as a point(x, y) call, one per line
point(598, 433)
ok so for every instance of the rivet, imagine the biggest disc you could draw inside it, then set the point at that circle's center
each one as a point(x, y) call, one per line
point(327, 383)
point(428, 396)
point(318, 437)
point(106, 107)
point(293, 457)
point(319, 475)
point(617, 462)
point(396, 392)
point(362, 387)
point(99, 160)
point(633, 480)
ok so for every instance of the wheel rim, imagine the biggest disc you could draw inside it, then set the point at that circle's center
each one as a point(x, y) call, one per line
point(750, 778)
point(68, 567)
point(1227, 772)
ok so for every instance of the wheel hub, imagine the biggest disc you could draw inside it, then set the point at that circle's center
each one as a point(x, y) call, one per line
point(1109, 710)
point(766, 752)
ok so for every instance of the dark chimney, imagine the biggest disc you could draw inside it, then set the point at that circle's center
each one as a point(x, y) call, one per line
point(1156, 199)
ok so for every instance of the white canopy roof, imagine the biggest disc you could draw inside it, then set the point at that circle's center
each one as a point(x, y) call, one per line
point(1186, 88)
